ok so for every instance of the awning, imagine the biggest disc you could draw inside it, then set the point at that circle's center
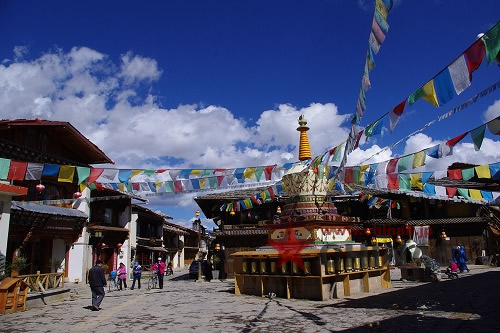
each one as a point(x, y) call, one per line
point(153, 248)
point(105, 228)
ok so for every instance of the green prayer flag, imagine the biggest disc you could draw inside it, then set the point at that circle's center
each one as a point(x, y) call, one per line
point(149, 172)
point(492, 42)
point(92, 186)
point(129, 187)
point(212, 181)
point(4, 168)
point(478, 136)
point(467, 174)
point(337, 155)
point(355, 173)
point(83, 174)
point(169, 186)
point(258, 173)
point(415, 96)
point(404, 182)
point(464, 192)
point(405, 162)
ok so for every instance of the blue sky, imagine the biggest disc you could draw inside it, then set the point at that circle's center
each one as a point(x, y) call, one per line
point(229, 73)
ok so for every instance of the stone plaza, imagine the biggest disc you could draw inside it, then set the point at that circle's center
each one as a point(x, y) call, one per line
point(469, 303)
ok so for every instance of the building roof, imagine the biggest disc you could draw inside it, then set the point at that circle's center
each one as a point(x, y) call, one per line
point(26, 206)
point(450, 220)
point(12, 190)
point(65, 132)
point(149, 211)
point(105, 191)
point(241, 232)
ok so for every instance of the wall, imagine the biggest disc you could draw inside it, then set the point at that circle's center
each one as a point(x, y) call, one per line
point(124, 253)
point(59, 252)
point(4, 227)
point(80, 253)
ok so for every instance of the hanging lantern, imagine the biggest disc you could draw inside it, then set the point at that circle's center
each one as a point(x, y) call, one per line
point(374, 240)
point(443, 235)
point(398, 239)
point(197, 213)
point(368, 231)
point(249, 215)
point(103, 245)
point(40, 187)
point(232, 213)
point(278, 210)
point(217, 247)
point(77, 195)
point(119, 245)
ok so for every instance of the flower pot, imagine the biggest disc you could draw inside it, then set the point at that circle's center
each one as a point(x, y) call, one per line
point(215, 274)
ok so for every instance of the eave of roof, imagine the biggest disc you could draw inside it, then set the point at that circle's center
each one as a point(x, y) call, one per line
point(27, 206)
point(13, 190)
point(100, 156)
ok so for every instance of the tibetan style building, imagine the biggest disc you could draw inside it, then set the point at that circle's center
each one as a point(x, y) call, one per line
point(39, 232)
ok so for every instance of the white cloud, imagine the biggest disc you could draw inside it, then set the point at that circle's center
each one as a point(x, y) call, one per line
point(360, 155)
point(418, 142)
point(20, 51)
point(493, 111)
point(137, 68)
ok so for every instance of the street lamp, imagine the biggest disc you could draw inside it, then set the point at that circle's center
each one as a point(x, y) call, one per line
point(197, 226)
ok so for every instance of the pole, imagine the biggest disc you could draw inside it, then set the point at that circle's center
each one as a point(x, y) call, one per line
point(199, 252)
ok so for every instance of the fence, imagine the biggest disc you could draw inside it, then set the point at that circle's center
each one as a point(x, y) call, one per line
point(42, 282)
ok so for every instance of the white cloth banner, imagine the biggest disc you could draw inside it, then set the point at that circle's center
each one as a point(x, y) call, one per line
point(459, 74)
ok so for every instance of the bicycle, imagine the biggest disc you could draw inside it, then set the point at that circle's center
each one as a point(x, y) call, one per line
point(152, 281)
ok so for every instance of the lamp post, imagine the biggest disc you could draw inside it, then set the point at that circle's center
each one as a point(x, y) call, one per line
point(197, 225)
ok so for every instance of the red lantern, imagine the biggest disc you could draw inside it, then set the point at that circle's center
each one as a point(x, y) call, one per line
point(77, 195)
point(40, 187)
point(368, 232)
point(119, 245)
point(103, 245)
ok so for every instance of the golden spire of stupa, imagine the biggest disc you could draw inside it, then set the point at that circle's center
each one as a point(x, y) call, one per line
point(304, 148)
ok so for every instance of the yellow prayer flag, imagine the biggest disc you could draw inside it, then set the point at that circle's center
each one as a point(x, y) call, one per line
point(249, 173)
point(361, 178)
point(331, 185)
point(418, 159)
point(475, 194)
point(416, 180)
point(83, 186)
point(158, 185)
point(363, 168)
point(483, 171)
point(195, 172)
point(382, 9)
point(203, 181)
point(66, 174)
point(121, 186)
point(135, 173)
point(430, 93)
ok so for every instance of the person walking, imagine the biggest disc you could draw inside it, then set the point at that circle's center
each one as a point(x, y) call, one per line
point(137, 275)
point(462, 259)
point(122, 275)
point(159, 269)
point(97, 282)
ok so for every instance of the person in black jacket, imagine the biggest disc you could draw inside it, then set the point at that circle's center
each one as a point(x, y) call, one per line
point(97, 282)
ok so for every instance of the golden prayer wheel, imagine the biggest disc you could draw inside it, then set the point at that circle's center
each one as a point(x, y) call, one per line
point(386, 259)
point(364, 261)
point(244, 266)
point(263, 267)
point(357, 263)
point(307, 267)
point(295, 268)
point(379, 261)
point(330, 266)
point(371, 262)
point(348, 263)
point(339, 264)
point(253, 266)
point(273, 267)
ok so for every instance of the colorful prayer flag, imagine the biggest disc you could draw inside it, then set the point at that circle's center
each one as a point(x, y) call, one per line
point(395, 114)
point(492, 42)
point(444, 87)
point(4, 168)
point(34, 171)
point(477, 135)
point(483, 171)
point(459, 74)
point(467, 174)
point(17, 170)
point(418, 159)
point(474, 56)
point(475, 194)
point(66, 174)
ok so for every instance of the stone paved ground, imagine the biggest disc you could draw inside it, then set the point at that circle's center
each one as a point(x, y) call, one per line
point(471, 303)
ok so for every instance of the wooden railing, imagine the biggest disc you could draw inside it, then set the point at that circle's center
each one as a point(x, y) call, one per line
point(43, 282)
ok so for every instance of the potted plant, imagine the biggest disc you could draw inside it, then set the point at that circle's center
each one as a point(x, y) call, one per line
point(18, 265)
point(216, 261)
point(55, 264)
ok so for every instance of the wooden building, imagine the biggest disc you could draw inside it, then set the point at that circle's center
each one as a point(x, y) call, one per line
point(55, 230)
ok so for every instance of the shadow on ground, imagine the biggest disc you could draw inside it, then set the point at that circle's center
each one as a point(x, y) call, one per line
point(472, 301)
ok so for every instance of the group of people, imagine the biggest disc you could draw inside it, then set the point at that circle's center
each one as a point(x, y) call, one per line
point(97, 279)
point(458, 260)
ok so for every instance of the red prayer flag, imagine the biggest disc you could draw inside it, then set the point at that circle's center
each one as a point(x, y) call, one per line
point(357, 139)
point(219, 170)
point(271, 192)
point(391, 166)
point(177, 186)
point(455, 140)
point(332, 151)
point(475, 55)
point(268, 171)
point(94, 174)
point(394, 204)
point(398, 110)
point(455, 174)
point(219, 180)
point(451, 191)
point(349, 175)
point(161, 170)
point(136, 186)
point(393, 181)
point(17, 170)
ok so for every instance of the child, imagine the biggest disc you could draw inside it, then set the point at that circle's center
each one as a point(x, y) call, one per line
point(112, 276)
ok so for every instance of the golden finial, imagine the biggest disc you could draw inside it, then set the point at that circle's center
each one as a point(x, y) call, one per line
point(304, 148)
